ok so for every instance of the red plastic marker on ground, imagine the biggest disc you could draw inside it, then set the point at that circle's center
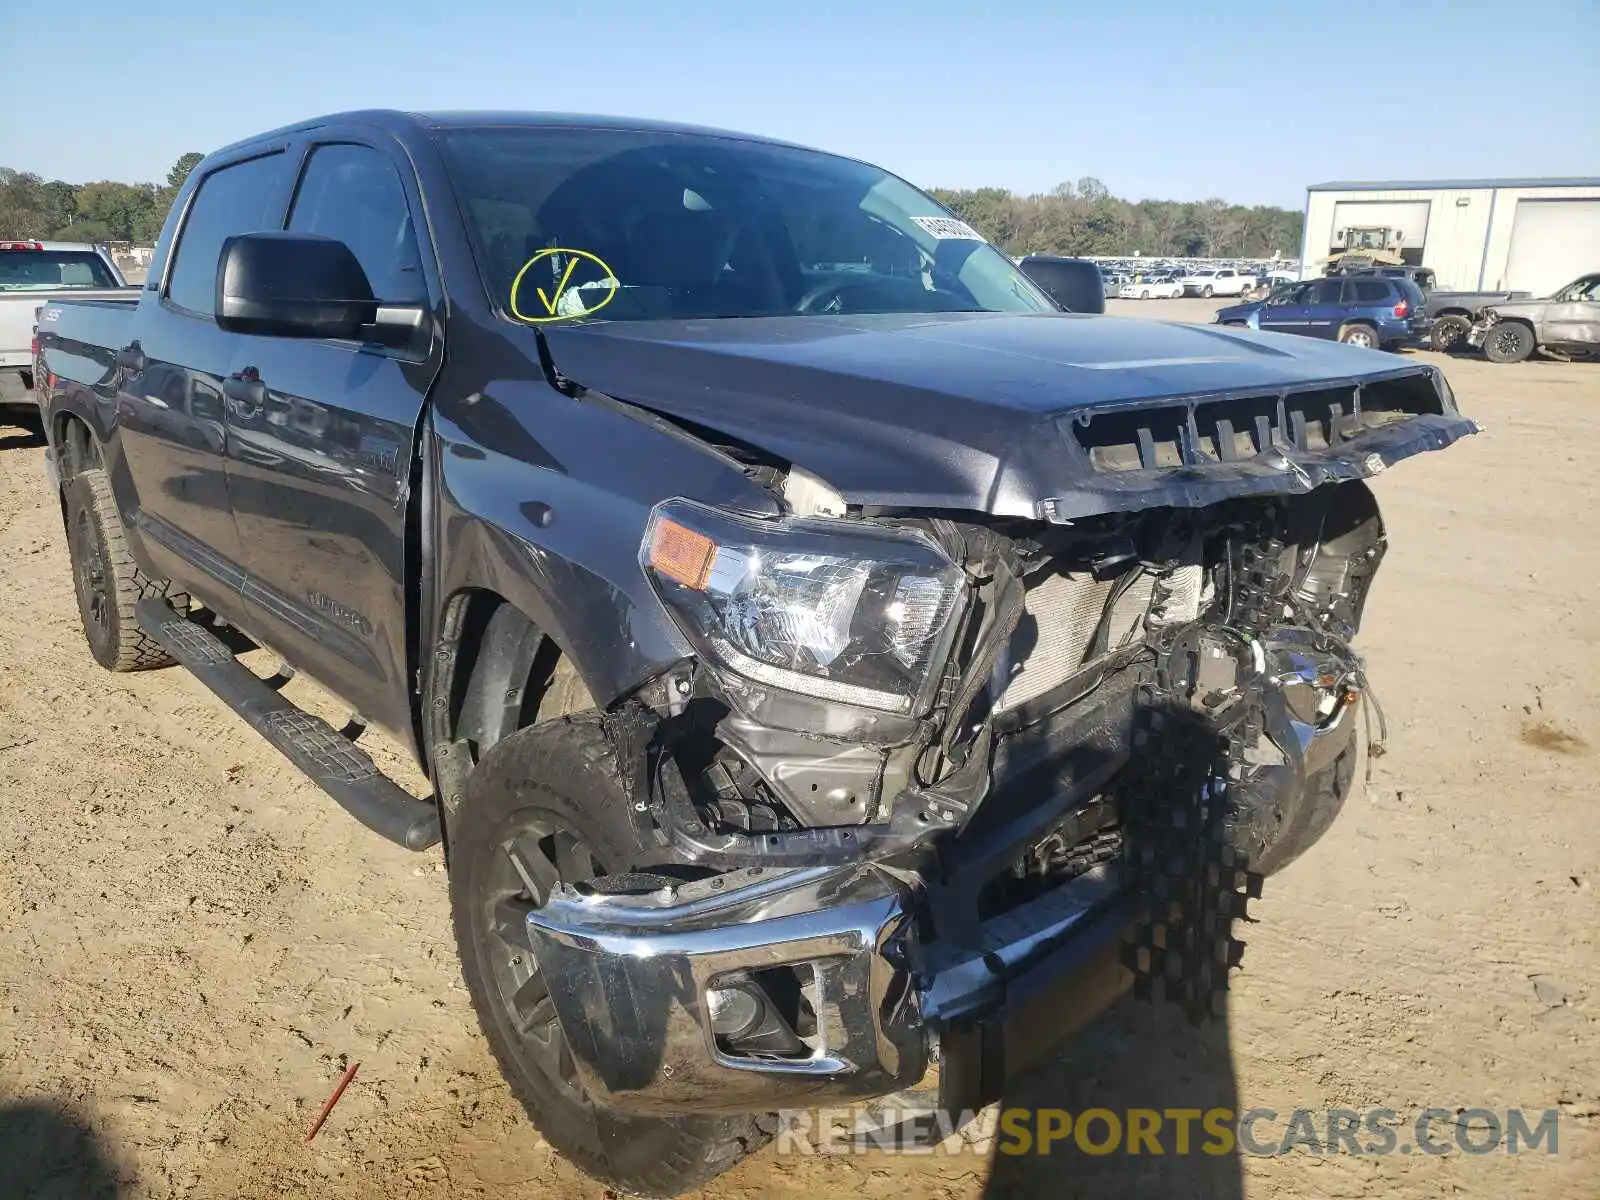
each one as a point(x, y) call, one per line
point(349, 1074)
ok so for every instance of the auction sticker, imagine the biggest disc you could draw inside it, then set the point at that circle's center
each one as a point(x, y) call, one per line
point(949, 228)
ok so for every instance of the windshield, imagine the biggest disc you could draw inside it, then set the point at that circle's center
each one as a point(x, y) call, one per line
point(48, 270)
point(1587, 288)
point(633, 225)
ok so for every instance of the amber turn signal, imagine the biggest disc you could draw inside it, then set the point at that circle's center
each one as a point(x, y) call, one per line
point(681, 554)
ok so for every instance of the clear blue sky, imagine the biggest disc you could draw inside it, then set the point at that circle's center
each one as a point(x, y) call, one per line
point(1244, 99)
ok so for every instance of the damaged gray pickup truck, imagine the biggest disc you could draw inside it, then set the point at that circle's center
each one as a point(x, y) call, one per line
point(830, 658)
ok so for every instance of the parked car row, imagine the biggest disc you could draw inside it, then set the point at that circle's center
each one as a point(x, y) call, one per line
point(1376, 312)
point(1387, 309)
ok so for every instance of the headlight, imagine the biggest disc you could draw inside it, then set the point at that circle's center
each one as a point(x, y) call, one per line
point(861, 616)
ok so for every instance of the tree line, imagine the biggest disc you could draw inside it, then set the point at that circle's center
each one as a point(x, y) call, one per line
point(1081, 218)
point(32, 207)
point(1085, 218)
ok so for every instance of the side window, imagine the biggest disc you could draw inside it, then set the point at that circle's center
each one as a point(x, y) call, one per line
point(1370, 292)
point(1325, 291)
point(353, 193)
point(232, 200)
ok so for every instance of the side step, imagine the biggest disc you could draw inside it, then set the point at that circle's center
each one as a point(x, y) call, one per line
point(337, 765)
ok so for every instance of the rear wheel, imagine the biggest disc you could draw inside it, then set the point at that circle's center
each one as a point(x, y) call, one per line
point(1447, 333)
point(1145, 295)
point(1508, 342)
point(107, 582)
point(1359, 335)
point(546, 805)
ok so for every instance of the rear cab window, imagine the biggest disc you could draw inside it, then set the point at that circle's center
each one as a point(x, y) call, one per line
point(238, 198)
point(49, 270)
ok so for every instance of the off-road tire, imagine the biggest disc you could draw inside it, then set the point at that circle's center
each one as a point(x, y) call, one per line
point(1509, 342)
point(567, 768)
point(107, 582)
point(1449, 333)
point(1358, 334)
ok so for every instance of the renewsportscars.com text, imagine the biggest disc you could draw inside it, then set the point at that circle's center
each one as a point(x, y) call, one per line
point(1179, 1131)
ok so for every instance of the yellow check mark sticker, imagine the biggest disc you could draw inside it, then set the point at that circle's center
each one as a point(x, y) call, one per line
point(580, 271)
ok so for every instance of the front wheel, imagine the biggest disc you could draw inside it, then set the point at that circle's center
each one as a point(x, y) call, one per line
point(1206, 292)
point(1447, 333)
point(1508, 342)
point(547, 806)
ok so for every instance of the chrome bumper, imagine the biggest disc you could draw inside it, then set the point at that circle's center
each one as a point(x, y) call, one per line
point(629, 976)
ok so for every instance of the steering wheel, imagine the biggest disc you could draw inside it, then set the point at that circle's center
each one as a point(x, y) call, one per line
point(829, 290)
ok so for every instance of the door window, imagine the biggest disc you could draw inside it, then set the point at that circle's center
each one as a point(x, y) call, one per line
point(1325, 291)
point(353, 193)
point(233, 199)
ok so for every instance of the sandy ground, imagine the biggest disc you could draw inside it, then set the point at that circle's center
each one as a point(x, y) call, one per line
point(194, 941)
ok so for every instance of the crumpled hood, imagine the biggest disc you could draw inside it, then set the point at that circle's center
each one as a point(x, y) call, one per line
point(954, 410)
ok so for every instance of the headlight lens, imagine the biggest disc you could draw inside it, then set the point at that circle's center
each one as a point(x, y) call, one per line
point(860, 616)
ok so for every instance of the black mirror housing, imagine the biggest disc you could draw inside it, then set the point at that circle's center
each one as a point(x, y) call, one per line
point(1074, 283)
point(282, 284)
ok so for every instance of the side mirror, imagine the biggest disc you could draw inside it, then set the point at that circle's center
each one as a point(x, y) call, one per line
point(281, 284)
point(1074, 283)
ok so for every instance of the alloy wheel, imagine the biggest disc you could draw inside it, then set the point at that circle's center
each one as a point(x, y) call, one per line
point(537, 852)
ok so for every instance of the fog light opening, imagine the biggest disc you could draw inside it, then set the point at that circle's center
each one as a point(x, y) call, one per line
point(763, 1014)
point(734, 1011)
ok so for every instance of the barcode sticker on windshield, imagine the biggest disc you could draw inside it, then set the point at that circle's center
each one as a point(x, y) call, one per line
point(945, 228)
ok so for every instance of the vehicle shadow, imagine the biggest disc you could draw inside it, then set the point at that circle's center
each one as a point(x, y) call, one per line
point(1135, 1055)
point(27, 435)
point(1165, 1065)
point(48, 1153)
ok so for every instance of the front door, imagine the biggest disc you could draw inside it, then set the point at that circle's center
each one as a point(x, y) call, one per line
point(321, 443)
point(1285, 312)
point(1573, 319)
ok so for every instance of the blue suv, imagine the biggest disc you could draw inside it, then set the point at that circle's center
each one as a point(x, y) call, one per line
point(1384, 314)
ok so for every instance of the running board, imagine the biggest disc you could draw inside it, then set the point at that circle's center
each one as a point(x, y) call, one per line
point(334, 763)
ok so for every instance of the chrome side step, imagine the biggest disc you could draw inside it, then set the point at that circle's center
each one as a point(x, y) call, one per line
point(336, 764)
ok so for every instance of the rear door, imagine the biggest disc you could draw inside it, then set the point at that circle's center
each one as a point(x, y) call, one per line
point(322, 434)
point(1327, 308)
point(169, 465)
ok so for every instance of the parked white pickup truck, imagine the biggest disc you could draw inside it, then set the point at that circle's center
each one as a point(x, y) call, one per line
point(1218, 281)
point(33, 273)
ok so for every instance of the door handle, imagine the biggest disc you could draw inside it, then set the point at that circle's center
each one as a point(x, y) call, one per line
point(246, 397)
point(131, 358)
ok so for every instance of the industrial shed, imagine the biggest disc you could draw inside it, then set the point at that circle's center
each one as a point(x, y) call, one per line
point(1474, 233)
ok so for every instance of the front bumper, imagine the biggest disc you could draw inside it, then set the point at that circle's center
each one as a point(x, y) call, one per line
point(1479, 333)
point(629, 976)
point(897, 969)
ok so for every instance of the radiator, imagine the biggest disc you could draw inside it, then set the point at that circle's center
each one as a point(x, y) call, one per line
point(1060, 614)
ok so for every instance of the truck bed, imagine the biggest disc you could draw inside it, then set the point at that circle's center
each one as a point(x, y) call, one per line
point(17, 318)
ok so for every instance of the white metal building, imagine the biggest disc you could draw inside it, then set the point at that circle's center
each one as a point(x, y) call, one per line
point(1474, 233)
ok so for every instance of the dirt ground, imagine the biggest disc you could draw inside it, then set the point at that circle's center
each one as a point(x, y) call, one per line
point(194, 941)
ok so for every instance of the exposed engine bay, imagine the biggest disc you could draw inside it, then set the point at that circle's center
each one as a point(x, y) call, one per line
point(1249, 604)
